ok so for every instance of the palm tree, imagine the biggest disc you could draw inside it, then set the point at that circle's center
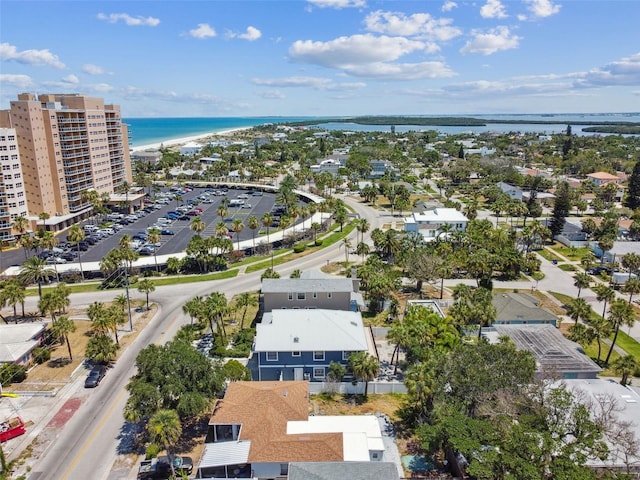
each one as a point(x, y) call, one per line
point(221, 229)
point(197, 225)
point(236, 227)
point(267, 221)
point(20, 224)
point(604, 293)
point(193, 308)
point(578, 309)
point(253, 223)
point(582, 280)
point(363, 226)
point(222, 212)
point(62, 328)
point(165, 429)
point(620, 313)
point(103, 320)
point(244, 301)
point(153, 237)
point(44, 216)
point(13, 293)
point(632, 287)
point(146, 286)
point(36, 270)
point(625, 366)
point(346, 243)
point(101, 348)
point(75, 236)
point(364, 366)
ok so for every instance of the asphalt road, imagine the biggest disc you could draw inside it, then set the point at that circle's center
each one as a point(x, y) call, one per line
point(87, 447)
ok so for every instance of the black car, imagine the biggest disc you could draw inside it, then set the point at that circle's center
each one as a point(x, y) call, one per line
point(96, 374)
point(167, 232)
point(160, 468)
point(68, 256)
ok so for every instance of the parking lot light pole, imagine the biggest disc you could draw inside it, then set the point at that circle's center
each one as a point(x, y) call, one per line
point(126, 287)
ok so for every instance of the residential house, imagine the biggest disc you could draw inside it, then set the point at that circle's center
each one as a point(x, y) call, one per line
point(328, 165)
point(521, 309)
point(602, 178)
point(150, 157)
point(214, 158)
point(17, 342)
point(313, 290)
point(431, 223)
point(515, 193)
point(191, 149)
point(259, 428)
point(616, 253)
point(380, 167)
point(301, 344)
point(555, 354)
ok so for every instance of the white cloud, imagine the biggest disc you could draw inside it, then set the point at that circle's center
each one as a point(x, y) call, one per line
point(495, 40)
point(418, 24)
point(338, 4)
point(129, 20)
point(92, 69)
point(493, 9)
point(542, 8)
point(357, 49)
point(401, 71)
point(203, 31)
point(72, 79)
point(20, 81)
point(622, 72)
point(271, 94)
point(251, 34)
point(317, 83)
point(38, 58)
point(448, 6)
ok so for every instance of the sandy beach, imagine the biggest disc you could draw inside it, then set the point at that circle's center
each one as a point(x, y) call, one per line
point(184, 140)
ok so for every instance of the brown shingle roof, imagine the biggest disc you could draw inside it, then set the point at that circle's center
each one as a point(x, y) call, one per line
point(263, 409)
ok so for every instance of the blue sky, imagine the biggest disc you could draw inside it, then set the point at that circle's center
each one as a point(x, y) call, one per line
point(326, 57)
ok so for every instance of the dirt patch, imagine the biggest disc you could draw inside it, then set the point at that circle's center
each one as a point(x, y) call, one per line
point(356, 405)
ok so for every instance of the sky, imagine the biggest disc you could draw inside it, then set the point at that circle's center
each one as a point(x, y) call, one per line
point(314, 58)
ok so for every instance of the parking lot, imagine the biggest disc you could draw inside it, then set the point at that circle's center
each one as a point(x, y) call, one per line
point(204, 201)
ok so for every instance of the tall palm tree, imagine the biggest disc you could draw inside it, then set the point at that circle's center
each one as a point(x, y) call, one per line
point(165, 429)
point(194, 308)
point(632, 287)
point(13, 293)
point(578, 309)
point(253, 223)
point(44, 216)
point(620, 313)
point(236, 227)
point(604, 293)
point(221, 229)
point(267, 221)
point(153, 237)
point(363, 226)
point(582, 280)
point(146, 286)
point(244, 301)
point(20, 224)
point(625, 367)
point(75, 236)
point(197, 225)
point(62, 328)
point(222, 212)
point(36, 270)
point(364, 366)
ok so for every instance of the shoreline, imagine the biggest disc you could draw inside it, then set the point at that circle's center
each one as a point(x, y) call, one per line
point(183, 140)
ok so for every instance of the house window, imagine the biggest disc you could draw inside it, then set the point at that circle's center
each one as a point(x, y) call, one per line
point(290, 296)
point(374, 455)
point(318, 372)
point(302, 296)
point(272, 356)
point(329, 294)
point(345, 355)
point(284, 469)
point(318, 356)
point(295, 354)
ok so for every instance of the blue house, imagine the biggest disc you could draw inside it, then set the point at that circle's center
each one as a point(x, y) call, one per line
point(299, 344)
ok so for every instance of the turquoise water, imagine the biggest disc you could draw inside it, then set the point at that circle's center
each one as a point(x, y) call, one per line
point(146, 131)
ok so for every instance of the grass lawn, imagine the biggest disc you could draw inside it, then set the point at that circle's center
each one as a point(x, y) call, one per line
point(547, 254)
point(567, 267)
point(572, 253)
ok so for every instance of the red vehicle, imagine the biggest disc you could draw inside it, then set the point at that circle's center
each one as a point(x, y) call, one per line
point(11, 428)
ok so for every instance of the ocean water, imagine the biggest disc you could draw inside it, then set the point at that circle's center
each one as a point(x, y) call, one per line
point(146, 131)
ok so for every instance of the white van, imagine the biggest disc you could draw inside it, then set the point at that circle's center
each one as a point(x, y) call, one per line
point(90, 228)
point(236, 202)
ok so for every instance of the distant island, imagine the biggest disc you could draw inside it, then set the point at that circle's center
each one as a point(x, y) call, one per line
point(601, 127)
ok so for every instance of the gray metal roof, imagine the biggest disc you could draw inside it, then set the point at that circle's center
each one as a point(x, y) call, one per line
point(552, 350)
point(343, 471)
point(308, 330)
point(225, 453)
point(520, 306)
point(285, 285)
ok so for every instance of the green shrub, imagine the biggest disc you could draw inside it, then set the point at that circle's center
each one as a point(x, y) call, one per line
point(318, 243)
point(41, 355)
point(11, 373)
point(152, 451)
point(299, 247)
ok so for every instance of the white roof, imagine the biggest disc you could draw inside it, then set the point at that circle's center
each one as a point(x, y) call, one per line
point(225, 453)
point(440, 215)
point(17, 340)
point(307, 330)
point(361, 433)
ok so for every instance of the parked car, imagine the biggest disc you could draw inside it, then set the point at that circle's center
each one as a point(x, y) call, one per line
point(55, 260)
point(246, 205)
point(69, 256)
point(95, 376)
point(146, 250)
point(167, 232)
point(160, 468)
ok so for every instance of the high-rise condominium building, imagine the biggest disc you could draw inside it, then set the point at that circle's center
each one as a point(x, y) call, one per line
point(13, 201)
point(69, 144)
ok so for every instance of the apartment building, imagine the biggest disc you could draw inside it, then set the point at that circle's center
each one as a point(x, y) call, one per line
point(13, 201)
point(68, 144)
